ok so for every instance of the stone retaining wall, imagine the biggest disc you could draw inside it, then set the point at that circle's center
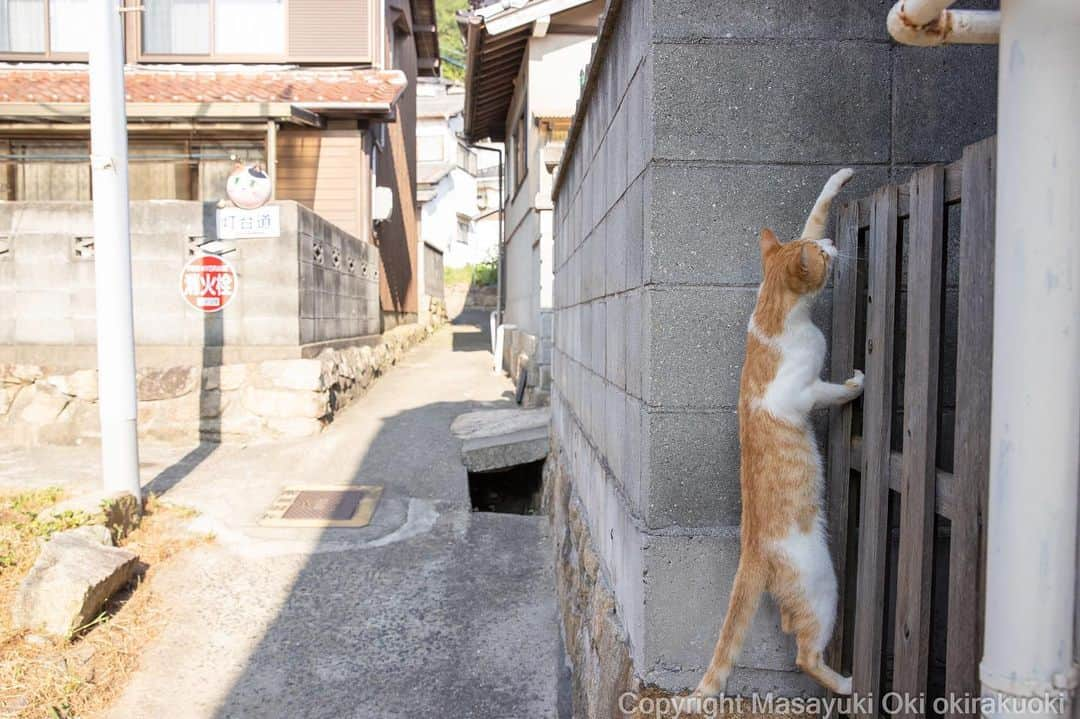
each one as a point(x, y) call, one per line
point(233, 402)
point(593, 631)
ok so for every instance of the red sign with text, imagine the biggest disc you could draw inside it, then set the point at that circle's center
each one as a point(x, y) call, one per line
point(208, 283)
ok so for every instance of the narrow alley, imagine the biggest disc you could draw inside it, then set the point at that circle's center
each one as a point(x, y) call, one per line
point(431, 605)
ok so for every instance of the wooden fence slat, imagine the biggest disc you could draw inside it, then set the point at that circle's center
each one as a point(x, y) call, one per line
point(877, 411)
point(918, 467)
point(845, 273)
point(971, 457)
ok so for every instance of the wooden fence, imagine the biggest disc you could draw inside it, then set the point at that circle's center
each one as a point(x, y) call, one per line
point(908, 463)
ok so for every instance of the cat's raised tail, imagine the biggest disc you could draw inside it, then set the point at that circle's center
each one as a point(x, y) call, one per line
point(746, 591)
point(819, 216)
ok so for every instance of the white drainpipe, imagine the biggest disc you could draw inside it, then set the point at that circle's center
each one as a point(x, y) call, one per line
point(1035, 457)
point(1032, 551)
point(930, 22)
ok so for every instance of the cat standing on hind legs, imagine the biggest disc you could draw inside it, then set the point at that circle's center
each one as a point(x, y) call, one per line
point(784, 548)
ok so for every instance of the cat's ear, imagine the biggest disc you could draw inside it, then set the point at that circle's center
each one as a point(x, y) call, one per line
point(769, 242)
point(804, 260)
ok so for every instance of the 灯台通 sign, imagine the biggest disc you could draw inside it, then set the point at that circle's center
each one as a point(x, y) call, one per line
point(236, 224)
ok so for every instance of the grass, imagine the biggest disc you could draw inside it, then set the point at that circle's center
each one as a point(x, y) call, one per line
point(484, 274)
point(59, 678)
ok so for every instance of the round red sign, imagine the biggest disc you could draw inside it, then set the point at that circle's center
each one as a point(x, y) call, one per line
point(208, 283)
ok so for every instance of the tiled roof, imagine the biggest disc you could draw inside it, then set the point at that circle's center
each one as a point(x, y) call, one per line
point(207, 84)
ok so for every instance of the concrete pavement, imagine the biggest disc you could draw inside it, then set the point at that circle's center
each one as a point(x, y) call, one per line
point(433, 610)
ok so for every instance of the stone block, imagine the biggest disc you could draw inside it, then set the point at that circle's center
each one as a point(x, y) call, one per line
point(312, 375)
point(692, 473)
point(710, 236)
point(168, 383)
point(73, 577)
point(772, 102)
point(946, 99)
point(501, 438)
point(284, 403)
point(81, 384)
point(697, 345)
point(39, 405)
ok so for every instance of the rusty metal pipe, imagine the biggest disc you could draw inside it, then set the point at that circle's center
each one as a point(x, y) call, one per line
point(927, 23)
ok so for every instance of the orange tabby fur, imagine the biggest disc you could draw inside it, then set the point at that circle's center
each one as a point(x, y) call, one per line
point(783, 547)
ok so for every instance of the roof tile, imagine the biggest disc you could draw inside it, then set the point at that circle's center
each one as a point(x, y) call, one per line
point(71, 84)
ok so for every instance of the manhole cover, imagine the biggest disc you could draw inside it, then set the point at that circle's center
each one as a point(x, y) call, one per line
point(322, 506)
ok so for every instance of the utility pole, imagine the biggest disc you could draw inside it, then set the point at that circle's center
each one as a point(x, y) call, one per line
point(117, 400)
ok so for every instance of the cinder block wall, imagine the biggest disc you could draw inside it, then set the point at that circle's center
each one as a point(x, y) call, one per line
point(313, 284)
point(709, 120)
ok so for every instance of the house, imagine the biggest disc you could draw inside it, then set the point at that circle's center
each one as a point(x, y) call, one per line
point(458, 185)
point(320, 94)
point(699, 124)
point(523, 69)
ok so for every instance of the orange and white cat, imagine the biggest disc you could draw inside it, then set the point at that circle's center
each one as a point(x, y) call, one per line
point(784, 548)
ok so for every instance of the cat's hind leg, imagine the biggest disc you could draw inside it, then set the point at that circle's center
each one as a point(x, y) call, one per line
point(806, 590)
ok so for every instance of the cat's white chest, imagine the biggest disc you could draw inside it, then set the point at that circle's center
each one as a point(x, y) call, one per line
point(801, 347)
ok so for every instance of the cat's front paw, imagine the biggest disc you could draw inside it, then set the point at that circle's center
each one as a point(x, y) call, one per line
point(855, 383)
point(841, 177)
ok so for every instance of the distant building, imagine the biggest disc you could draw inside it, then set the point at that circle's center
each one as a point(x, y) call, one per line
point(523, 68)
point(322, 97)
point(457, 185)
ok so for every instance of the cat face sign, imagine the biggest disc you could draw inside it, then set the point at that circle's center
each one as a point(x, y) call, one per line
point(248, 187)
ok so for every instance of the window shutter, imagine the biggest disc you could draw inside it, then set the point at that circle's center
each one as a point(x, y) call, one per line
point(330, 30)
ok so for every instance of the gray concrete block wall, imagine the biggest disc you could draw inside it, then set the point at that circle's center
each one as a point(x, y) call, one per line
point(47, 298)
point(711, 119)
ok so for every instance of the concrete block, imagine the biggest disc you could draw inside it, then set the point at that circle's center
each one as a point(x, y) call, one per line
point(615, 341)
point(711, 235)
point(697, 341)
point(772, 102)
point(694, 20)
point(635, 360)
point(611, 443)
point(635, 453)
point(692, 475)
point(638, 126)
point(615, 259)
point(635, 201)
point(945, 99)
point(617, 172)
point(598, 334)
point(687, 587)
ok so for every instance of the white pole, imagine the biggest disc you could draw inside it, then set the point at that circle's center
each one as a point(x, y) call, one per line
point(112, 250)
point(1035, 458)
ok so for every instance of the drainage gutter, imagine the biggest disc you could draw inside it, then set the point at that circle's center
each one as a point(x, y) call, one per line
point(927, 23)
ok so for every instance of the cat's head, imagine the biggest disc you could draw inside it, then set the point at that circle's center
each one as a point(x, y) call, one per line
point(801, 266)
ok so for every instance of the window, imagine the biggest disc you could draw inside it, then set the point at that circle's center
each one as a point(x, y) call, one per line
point(23, 25)
point(462, 232)
point(519, 142)
point(214, 27)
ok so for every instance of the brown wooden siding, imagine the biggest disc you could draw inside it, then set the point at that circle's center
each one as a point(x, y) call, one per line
point(327, 171)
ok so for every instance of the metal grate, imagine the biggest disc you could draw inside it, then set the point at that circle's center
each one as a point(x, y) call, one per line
point(323, 506)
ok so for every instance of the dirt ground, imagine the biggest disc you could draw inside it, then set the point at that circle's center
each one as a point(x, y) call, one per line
point(58, 678)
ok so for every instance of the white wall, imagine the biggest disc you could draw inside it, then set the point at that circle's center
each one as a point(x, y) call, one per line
point(547, 86)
